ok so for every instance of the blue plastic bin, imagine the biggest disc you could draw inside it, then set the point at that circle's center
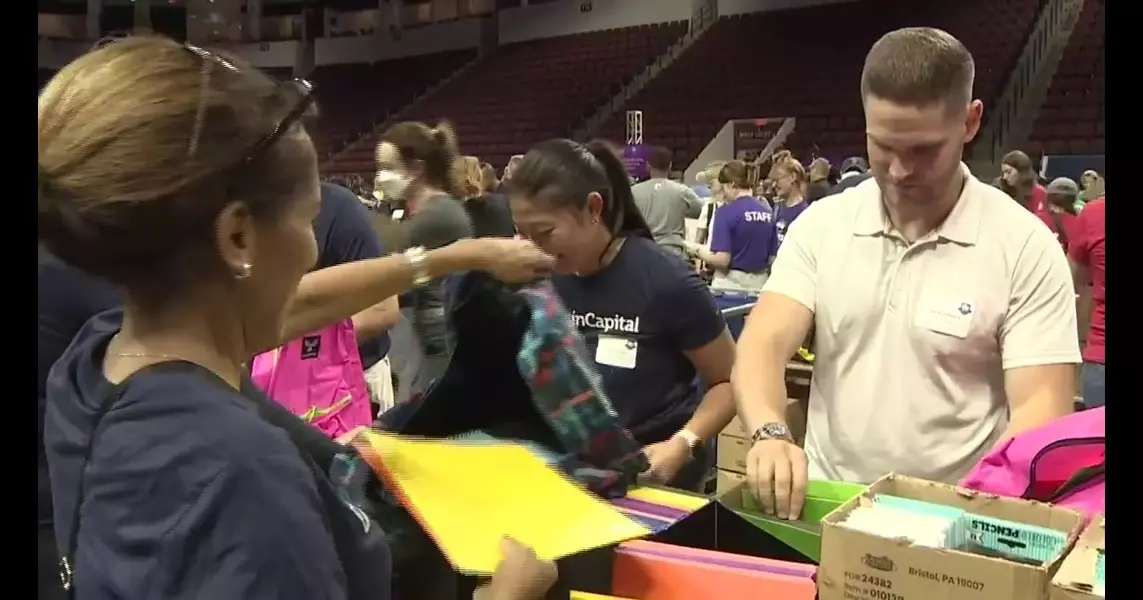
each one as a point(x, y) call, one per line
point(735, 306)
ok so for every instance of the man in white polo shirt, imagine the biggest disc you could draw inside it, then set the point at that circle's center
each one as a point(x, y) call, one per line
point(943, 313)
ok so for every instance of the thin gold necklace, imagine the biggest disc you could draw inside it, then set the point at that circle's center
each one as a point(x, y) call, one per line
point(147, 355)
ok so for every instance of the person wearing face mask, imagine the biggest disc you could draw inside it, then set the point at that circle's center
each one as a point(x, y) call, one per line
point(647, 318)
point(743, 236)
point(419, 170)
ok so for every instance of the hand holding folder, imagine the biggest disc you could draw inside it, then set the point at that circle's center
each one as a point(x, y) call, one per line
point(521, 574)
point(468, 496)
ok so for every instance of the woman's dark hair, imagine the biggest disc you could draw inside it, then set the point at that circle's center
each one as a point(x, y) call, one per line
point(434, 147)
point(737, 174)
point(1022, 191)
point(144, 141)
point(565, 173)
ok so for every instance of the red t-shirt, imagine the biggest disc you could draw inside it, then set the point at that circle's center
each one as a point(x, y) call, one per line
point(1087, 250)
point(1037, 198)
point(1068, 222)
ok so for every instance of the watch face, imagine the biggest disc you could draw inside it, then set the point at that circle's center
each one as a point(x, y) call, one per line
point(775, 430)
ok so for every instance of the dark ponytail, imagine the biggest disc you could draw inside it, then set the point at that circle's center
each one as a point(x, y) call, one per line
point(620, 213)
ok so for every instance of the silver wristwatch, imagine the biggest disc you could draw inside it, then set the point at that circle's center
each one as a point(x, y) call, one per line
point(772, 431)
point(415, 256)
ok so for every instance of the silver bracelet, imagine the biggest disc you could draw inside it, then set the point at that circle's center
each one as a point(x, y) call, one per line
point(416, 257)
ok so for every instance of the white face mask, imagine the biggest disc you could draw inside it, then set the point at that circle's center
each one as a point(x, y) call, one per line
point(389, 186)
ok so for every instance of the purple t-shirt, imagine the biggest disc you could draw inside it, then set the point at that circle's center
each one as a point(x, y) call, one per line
point(783, 216)
point(744, 227)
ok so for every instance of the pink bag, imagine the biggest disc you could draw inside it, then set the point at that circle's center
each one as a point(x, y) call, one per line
point(1061, 462)
point(319, 378)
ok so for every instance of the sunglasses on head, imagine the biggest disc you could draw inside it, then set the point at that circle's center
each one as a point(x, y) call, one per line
point(305, 101)
point(303, 88)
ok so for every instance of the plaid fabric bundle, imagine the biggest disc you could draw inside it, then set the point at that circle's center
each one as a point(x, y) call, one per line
point(570, 397)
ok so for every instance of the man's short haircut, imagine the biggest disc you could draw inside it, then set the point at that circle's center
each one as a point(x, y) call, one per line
point(659, 158)
point(919, 66)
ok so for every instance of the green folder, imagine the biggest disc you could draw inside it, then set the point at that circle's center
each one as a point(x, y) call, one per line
point(804, 534)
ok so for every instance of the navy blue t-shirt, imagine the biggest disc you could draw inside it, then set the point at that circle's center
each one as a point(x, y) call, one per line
point(637, 316)
point(345, 234)
point(67, 299)
point(188, 490)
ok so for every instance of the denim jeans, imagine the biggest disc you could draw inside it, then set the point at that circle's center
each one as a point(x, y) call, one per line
point(1093, 384)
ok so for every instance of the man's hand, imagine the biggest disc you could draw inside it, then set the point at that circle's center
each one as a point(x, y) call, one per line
point(776, 473)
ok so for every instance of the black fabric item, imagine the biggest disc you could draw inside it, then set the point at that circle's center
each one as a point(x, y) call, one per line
point(481, 389)
point(849, 182)
point(491, 216)
point(1080, 479)
point(816, 191)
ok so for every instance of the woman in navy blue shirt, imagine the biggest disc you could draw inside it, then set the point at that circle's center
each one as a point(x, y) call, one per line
point(649, 320)
point(186, 180)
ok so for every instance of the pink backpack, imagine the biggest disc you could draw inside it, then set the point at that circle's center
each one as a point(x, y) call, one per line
point(319, 378)
point(1061, 462)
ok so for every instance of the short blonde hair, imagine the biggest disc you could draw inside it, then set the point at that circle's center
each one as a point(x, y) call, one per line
point(471, 177)
point(784, 162)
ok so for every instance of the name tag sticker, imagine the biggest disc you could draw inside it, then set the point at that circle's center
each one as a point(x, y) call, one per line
point(616, 352)
point(949, 318)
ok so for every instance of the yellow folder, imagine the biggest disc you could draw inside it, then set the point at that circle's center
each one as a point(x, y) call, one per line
point(587, 596)
point(468, 496)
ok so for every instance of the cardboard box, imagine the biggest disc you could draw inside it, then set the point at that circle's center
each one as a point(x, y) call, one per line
point(736, 429)
point(731, 454)
point(727, 480)
point(855, 564)
point(1076, 579)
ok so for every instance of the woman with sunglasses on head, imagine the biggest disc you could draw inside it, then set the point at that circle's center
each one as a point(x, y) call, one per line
point(648, 318)
point(187, 181)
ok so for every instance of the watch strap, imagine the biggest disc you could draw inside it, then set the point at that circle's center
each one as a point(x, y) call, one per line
point(772, 431)
point(416, 258)
point(689, 437)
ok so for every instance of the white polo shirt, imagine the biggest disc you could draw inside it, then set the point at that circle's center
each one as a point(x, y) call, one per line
point(912, 340)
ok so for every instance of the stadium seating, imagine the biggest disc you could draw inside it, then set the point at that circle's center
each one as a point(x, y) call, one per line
point(353, 97)
point(529, 91)
point(806, 62)
point(1072, 118)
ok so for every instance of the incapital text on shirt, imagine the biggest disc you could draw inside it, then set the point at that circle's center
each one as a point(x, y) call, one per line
point(611, 323)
